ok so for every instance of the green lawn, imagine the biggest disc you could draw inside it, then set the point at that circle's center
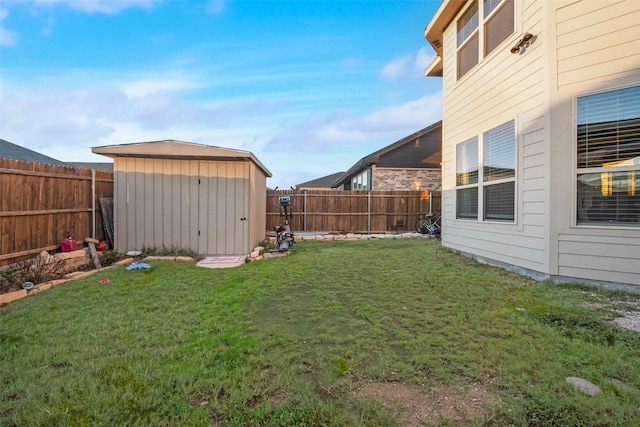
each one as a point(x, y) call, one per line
point(306, 340)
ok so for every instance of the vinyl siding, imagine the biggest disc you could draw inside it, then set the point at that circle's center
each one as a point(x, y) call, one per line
point(596, 51)
point(597, 42)
point(500, 88)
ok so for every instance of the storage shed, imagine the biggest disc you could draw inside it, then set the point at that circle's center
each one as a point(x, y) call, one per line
point(185, 195)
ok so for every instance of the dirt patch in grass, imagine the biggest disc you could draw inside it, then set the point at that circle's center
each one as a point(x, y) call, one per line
point(416, 406)
point(628, 311)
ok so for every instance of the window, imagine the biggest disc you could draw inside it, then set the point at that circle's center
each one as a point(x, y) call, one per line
point(608, 158)
point(497, 24)
point(467, 179)
point(360, 181)
point(499, 172)
point(468, 39)
point(494, 182)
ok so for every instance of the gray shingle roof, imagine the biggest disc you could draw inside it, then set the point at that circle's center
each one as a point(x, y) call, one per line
point(325, 181)
point(9, 150)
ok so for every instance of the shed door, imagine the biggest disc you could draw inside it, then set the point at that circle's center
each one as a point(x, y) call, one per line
point(223, 194)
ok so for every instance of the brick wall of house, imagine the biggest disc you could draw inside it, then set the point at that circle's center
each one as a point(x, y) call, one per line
point(385, 179)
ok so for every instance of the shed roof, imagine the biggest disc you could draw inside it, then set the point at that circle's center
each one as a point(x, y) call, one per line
point(172, 149)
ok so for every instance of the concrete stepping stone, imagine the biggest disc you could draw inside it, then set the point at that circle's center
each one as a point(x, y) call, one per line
point(584, 386)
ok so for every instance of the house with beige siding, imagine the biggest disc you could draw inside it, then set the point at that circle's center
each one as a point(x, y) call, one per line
point(541, 136)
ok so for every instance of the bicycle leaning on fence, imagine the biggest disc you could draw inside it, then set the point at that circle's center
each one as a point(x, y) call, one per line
point(429, 225)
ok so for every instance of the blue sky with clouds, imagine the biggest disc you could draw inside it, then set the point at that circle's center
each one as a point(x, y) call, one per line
point(309, 87)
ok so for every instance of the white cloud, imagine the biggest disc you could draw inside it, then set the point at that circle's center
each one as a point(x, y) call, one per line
point(108, 7)
point(7, 38)
point(423, 59)
point(407, 66)
point(69, 121)
point(215, 7)
point(143, 87)
point(322, 131)
point(396, 69)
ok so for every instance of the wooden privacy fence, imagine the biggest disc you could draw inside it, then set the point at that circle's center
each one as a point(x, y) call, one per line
point(353, 211)
point(42, 204)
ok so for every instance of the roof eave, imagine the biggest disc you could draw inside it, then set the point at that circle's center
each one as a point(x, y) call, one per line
point(435, 69)
point(115, 151)
point(441, 19)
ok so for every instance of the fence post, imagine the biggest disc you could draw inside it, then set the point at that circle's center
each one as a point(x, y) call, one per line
point(304, 227)
point(369, 212)
point(93, 203)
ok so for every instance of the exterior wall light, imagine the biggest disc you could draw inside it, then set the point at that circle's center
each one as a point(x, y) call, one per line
point(523, 43)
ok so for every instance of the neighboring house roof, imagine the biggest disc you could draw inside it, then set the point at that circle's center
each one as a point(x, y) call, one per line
point(432, 152)
point(172, 149)
point(9, 150)
point(105, 167)
point(325, 181)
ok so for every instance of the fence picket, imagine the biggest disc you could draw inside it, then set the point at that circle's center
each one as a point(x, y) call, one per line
point(350, 211)
point(41, 204)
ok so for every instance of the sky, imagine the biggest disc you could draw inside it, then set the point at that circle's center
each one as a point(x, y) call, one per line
point(309, 87)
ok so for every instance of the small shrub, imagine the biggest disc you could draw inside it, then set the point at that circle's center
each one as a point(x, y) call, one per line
point(171, 251)
point(10, 279)
point(110, 257)
point(267, 245)
point(340, 367)
point(36, 270)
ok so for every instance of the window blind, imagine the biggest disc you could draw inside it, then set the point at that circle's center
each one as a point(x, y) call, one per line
point(467, 203)
point(500, 152)
point(467, 162)
point(609, 128)
point(490, 6)
point(499, 201)
point(608, 138)
point(467, 23)
point(499, 26)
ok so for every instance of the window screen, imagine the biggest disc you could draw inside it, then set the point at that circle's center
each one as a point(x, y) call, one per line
point(499, 26)
point(499, 201)
point(468, 56)
point(467, 203)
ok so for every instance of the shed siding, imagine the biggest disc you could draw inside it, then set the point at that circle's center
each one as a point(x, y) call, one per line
point(223, 198)
point(159, 205)
point(595, 52)
point(257, 207)
point(502, 87)
point(145, 220)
